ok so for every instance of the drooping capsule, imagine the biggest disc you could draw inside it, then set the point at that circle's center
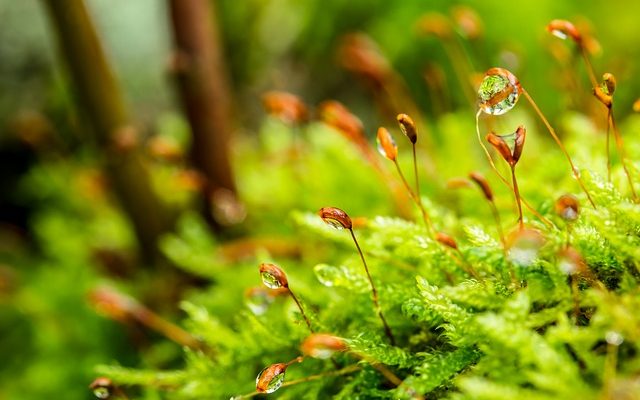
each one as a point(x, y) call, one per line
point(335, 217)
point(322, 345)
point(273, 276)
point(102, 387)
point(509, 146)
point(287, 107)
point(499, 91)
point(482, 183)
point(408, 127)
point(446, 240)
point(271, 378)
point(567, 207)
point(564, 29)
point(386, 145)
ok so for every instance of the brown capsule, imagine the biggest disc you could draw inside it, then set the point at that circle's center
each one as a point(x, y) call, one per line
point(359, 54)
point(386, 145)
point(322, 345)
point(285, 106)
point(273, 276)
point(511, 156)
point(482, 182)
point(518, 146)
point(336, 115)
point(335, 217)
point(436, 24)
point(408, 127)
point(567, 207)
point(563, 29)
point(446, 240)
point(271, 378)
point(609, 82)
point(570, 261)
point(165, 149)
point(468, 22)
point(636, 106)
point(102, 387)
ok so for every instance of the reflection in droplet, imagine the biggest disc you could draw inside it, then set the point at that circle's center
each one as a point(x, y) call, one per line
point(498, 92)
point(271, 378)
point(524, 247)
point(270, 280)
point(101, 392)
point(328, 275)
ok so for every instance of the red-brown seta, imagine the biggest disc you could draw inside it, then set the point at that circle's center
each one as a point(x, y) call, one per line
point(339, 219)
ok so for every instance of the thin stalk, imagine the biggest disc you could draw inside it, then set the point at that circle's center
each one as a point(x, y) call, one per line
point(306, 319)
point(575, 291)
point(374, 291)
point(544, 220)
point(574, 170)
point(589, 66)
point(607, 147)
point(416, 199)
point(516, 193)
point(610, 365)
point(496, 217)
point(623, 155)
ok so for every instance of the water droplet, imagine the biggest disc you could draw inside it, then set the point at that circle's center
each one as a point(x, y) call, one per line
point(559, 34)
point(101, 392)
point(322, 345)
point(271, 378)
point(498, 92)
point(328, 275)
point(258, 300)
point(614, 338)
point(386, 146)
point(270, 280)
point(524, 247)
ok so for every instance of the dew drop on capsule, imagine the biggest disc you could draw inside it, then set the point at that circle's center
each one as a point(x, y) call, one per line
point(101, 392)
point(270, 280)
point(271, 378)
point(328, 275)
point(498, 93)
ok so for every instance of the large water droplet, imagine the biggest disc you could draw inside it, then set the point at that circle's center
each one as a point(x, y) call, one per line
point(271, 378)
point(498, 94)
point(270, 280)
point(101, 392)
point(559, 34)
point(614, 338)
point(390, 146)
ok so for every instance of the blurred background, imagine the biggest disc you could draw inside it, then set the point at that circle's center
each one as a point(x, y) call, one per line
point(119, 148)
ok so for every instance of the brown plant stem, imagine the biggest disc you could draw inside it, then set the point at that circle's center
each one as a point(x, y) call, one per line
point(516, 194)
point(166, 328)
point(374, 291)
point(306, 319)
point(100, 97)
point(552, 132)
point(588, 65)
point(203, 86)
point(416, 198)
point(620, 145)
point(544, 220)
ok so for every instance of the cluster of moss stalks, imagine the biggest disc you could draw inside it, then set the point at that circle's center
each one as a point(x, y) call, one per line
point(453, 301)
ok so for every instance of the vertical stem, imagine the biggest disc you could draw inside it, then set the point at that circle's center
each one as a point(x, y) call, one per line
point(100, 97)
point(516, 193)
point(417, 200)
point(203, 86)
point(170, 330)
point(306, 319)
point(496, 217)
point(621, 150)
point(607, 146)
point(574, 170)
point(374, 292)
point(589, 66)
point(502, 178)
